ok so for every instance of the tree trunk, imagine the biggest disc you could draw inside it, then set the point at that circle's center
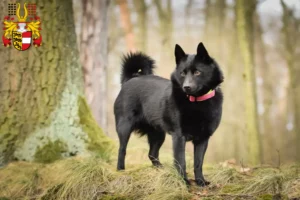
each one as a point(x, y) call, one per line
point(93, 54)
point(244, 13)
point(43, 114)
point(166, 24)
point(290, 33)
point(126, 23)
point(165, 33)
point(142, 19)
point(220, 8)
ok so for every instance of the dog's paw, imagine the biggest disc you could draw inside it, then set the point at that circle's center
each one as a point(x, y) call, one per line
point(120, 168)
point(187, 182)
point(202, 182)
point(157, 164)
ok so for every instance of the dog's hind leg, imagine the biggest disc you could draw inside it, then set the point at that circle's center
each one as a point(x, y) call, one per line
point(124, 129)
point(155, 139)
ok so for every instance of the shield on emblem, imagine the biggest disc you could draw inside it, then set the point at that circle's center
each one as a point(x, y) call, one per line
point(21, 41)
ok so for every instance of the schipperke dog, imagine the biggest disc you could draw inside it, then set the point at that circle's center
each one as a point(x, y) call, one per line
point(189, 106)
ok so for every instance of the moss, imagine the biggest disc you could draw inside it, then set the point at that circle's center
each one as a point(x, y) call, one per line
point(98, 141)
point(265, 197)
point(50, 152)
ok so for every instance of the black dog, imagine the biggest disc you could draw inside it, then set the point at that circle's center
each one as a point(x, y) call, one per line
point(189, 107)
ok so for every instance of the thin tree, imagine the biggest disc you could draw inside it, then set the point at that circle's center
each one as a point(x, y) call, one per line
point(93, 56)
point(245, 10)
point(127, 25)
point(142, 22)
point(266, 90)
point(165, 23)
point(290, 30)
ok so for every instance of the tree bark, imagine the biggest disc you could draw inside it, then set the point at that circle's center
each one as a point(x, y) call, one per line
point(127, 25)
point(244, 13)
point(142, 19)
point(93, 55)
point(290, 33)
point(43, 114)
point(166, 24)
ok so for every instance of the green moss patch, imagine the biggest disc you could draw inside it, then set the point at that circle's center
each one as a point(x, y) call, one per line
point(50, 152)
point(98, 142)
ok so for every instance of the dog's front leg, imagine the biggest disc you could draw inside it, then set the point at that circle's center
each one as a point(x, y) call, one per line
point(179, 154)
point(199, 152)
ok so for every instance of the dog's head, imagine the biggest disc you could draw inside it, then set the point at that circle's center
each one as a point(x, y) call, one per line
point(196, 74)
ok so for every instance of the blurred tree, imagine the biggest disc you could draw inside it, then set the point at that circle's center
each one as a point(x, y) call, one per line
point(127, 25)
point(93, 56)
point(245, 10)
point(114, 36)
point(142, 20)
point(214, 29)
point(44, 115)
point(207, 11)
point(264, 73)
point(187, 16)
point(290, 30)
point(166, 24)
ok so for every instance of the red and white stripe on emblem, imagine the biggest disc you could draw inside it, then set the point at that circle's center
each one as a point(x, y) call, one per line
point(26, 40)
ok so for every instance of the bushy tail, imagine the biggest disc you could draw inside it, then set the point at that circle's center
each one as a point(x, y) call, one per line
point(136, 64)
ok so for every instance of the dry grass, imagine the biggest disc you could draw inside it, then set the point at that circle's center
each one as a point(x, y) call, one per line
point(93, 178)
point(89, 179)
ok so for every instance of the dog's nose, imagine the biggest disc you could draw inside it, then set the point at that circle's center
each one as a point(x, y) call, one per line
point(187, 88)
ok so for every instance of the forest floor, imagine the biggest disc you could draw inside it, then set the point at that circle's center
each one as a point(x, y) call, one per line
point(95, 178)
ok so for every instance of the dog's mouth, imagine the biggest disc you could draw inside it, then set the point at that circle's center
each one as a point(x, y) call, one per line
point(199, 91)
point(192, 91)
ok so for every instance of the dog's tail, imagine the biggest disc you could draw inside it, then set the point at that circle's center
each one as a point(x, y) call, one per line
point(136, 64)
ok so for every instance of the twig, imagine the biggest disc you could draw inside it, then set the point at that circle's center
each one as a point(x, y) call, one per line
point(242, 165)
point(279, 163)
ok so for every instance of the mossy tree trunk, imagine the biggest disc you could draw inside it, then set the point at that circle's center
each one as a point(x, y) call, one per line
point(244, 18)
point(93, 54)
point(290, 30)
point(43, 114)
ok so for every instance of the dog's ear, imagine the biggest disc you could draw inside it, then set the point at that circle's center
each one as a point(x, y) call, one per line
point(202, 53)
point(179, 53)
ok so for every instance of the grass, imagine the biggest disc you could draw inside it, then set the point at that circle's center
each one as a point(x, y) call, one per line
point(94, 178)
point(89, 179)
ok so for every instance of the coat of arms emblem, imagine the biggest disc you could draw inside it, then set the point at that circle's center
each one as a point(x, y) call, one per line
point(24, 32)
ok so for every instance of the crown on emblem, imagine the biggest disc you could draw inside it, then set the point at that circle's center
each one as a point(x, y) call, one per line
point(22, 18)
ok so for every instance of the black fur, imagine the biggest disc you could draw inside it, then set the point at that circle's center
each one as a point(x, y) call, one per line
point(136, 64)
point(153, 105)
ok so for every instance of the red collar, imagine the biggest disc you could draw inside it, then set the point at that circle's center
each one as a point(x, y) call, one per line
point(204, 97)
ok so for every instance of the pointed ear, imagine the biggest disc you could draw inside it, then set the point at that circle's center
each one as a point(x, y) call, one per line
point(179, 53)
point(202, 52)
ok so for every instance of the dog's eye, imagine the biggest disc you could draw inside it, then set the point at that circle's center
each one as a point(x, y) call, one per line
point(197, 73)
point(182, 74)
